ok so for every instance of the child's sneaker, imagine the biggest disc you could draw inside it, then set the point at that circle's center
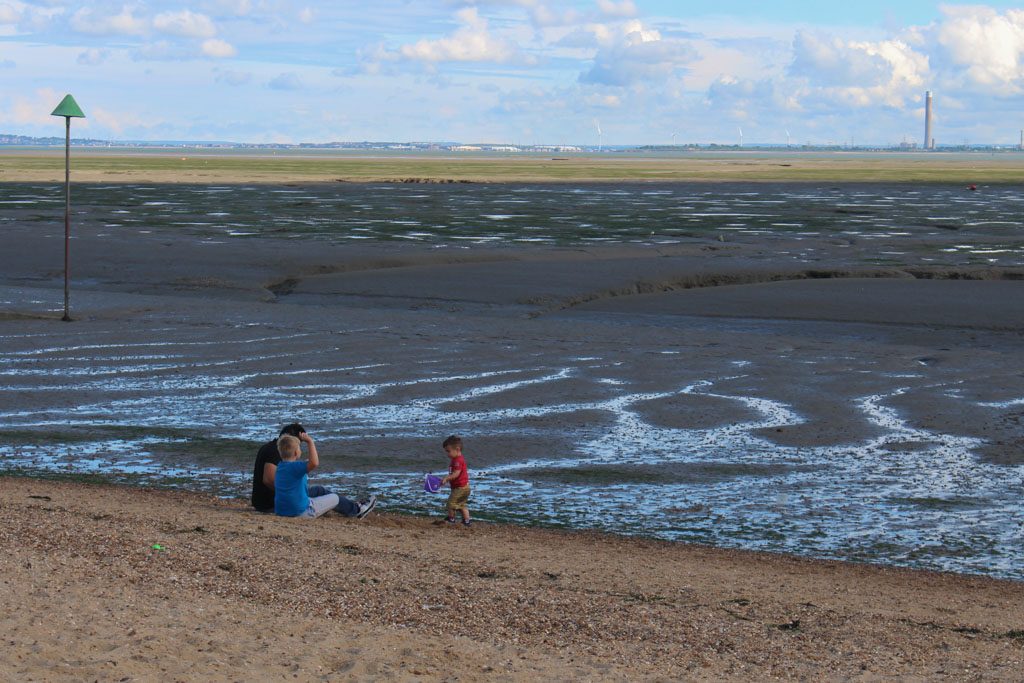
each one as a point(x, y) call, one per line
point(364, 508)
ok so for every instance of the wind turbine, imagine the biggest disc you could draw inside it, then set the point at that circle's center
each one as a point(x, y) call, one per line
point(600, 138)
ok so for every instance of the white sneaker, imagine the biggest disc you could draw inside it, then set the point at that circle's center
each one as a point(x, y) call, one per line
point(364, 508)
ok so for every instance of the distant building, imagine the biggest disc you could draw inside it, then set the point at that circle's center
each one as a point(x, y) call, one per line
point(929, 141)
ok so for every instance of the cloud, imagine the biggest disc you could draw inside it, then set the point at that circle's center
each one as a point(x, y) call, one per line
point(833, 61)
point(983, 48)
point(636, 54)
point(233, 77)
point(596, 35)
point(9, 14)
point(92, 56)
point(603, 101)
point(117, 123)
point(239, 8)
point(161, 50)
point(124, 23)
point(218, 49)
point(286, 81)
point(185, 24)
point(625, 8)
point(471, 42)
point(541, 15)
point(33, 110)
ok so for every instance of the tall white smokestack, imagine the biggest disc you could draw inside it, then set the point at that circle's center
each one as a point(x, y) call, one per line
point(929, 143)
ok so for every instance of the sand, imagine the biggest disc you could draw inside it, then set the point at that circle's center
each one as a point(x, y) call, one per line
point(235, 595)
point(262, 166)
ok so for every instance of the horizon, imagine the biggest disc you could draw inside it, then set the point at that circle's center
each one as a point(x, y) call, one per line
point(595, 73)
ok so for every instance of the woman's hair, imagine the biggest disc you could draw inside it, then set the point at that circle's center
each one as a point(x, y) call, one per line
point(288, 445)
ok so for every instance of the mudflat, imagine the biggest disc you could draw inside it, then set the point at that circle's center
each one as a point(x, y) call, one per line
point(114, 583)
point(795, 390)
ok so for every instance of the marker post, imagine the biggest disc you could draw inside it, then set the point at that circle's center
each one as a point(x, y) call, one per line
point(69, 109)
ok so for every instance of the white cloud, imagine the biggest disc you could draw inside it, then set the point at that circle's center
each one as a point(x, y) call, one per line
point(161, 50)
point(603, 101)
point(631, 53)
point(218, 49)
point(833, 61)
point(238, 7)
point(33, 110)
point(471, 42)
point(92, 56)
point(625, 8)
point(9, 14)
point(594, 35)
point(859, 73)
point(185, 24)
point(234, 77)
point(117, 123)
point(543, 15)
point(286, 81)
point(986, 47)
point(123, 23)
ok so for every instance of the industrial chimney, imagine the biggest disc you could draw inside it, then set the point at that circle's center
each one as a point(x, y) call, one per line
point(929, 142)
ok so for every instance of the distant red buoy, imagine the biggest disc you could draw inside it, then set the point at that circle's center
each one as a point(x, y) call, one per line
point(972, 187)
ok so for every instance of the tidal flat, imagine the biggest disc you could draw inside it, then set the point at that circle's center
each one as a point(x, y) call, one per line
point(830, 370)
point(262, 166)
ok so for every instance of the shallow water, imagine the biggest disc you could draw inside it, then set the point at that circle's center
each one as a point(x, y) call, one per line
point(947, 223)
point(189, 410)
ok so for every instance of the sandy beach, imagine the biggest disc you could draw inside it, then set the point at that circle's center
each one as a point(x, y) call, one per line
point(235, 595)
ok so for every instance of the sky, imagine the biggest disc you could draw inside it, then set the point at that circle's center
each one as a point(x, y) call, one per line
point(615, 72)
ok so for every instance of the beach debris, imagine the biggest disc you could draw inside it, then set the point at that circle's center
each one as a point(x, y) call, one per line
point(789, 626)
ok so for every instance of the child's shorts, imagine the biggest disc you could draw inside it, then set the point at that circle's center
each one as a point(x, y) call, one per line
point(457, 499)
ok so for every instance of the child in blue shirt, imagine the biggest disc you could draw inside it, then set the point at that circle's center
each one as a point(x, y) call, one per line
point(291, 482)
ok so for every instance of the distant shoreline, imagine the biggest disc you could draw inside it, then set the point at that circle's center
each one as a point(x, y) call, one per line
point(202, 166)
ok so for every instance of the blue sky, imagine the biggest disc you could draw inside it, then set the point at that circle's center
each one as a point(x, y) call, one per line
point(514, 71)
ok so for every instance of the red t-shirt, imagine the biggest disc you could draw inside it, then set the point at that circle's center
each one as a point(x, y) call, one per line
point(458, 464)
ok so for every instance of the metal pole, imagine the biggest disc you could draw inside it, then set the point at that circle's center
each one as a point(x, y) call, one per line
point(67, 220)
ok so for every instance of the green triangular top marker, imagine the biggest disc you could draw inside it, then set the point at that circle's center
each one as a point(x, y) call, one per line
point(68, 107)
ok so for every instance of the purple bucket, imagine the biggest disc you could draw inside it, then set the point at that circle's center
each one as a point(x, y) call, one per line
point(431, 484)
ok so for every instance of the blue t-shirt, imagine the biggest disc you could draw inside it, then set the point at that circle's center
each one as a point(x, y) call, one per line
point(290, 497)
